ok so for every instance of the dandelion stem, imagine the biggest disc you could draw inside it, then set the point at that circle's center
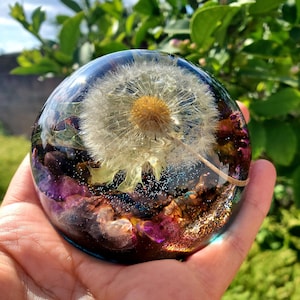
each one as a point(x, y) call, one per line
point(225, 176)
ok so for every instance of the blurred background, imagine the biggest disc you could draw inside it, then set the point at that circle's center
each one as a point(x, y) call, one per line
point(252, 47)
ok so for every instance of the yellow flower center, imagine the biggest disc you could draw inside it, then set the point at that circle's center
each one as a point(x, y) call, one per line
point(150, 114)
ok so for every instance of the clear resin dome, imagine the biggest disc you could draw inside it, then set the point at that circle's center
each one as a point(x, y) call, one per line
point(140, 155)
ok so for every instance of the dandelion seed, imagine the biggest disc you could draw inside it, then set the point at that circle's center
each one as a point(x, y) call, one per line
point(131, 117)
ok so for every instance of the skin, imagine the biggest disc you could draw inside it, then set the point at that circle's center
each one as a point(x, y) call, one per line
point(37, 263)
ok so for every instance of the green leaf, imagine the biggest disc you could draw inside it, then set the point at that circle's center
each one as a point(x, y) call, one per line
point(60, 19)
point(181, 26)
point(110, 47)
point(44, 66)
point(206, 20)
point(256, 68)
point(264, 6)
point(70, 33)
point(257, 137)
point(298, 9)
point(17, 12)
point(265, 48)
point(63, 58)
point(38, 17)
point(285, 101)
point(113, 8)
point(29, 57)
point(296, 186)
point(73, 5)
point(289, 12)
point(130, 22)
point(147, 7)
point(295, 33)
point(221, 33)
point(281, 144)
point(142, 31)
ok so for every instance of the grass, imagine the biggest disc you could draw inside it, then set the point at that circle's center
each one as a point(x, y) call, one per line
point(272, 268)
point(12, 151)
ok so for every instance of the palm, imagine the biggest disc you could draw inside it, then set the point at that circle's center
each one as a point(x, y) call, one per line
point(36, 261)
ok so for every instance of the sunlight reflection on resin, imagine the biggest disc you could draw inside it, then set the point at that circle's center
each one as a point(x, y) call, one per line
point(140, 155)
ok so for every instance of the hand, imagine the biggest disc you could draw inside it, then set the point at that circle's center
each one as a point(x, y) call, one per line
point(36, 262)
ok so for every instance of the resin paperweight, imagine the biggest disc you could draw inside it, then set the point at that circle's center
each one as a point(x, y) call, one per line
point(140, 155)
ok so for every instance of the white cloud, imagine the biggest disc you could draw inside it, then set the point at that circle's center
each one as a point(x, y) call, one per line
point(14, 37)
point(6, 22)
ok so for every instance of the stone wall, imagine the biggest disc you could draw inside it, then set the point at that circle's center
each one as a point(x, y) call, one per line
point(21, 97)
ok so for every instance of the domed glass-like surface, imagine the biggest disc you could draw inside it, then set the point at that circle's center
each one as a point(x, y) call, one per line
point(139, 156)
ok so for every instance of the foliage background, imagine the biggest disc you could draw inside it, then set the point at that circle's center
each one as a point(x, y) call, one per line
point(252, 47)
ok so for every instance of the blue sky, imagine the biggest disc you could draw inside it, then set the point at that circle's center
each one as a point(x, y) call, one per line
point(13, 37)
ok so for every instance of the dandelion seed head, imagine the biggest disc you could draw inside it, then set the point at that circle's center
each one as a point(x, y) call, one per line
point(131, 115)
